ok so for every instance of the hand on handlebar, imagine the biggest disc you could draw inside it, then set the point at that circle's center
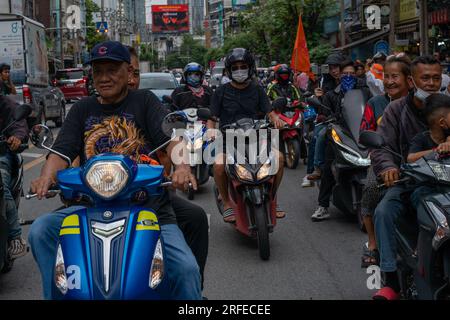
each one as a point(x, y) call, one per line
point(14, 143)
point(40, 187)
point(181, 178)
point(390, 177)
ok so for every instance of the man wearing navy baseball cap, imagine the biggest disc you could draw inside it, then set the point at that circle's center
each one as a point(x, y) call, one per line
point(96, 125)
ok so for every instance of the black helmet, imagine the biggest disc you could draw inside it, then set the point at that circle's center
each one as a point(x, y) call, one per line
point(335, 59)
point(193, 67)
point(242, 55)
point(283, 73)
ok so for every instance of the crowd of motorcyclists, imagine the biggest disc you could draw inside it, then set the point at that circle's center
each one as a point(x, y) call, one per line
point(406, 102)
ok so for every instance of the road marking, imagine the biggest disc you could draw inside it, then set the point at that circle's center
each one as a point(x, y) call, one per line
point(33, 163)
point(31, 155)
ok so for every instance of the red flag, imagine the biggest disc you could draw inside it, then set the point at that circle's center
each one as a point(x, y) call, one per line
point(300, 55)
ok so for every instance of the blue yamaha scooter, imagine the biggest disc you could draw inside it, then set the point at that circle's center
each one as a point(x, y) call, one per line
point(111, 248)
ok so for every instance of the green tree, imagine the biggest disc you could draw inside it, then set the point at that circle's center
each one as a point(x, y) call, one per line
point(93, 37)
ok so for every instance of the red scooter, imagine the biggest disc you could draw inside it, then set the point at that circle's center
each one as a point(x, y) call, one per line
point(251, 190)
point(293, 144)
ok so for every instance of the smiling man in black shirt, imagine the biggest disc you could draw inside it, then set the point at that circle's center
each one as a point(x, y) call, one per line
point(123, 121)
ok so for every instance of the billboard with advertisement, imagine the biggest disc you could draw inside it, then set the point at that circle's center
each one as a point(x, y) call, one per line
point(37, 54)
point(11, 49)
point(170, 18)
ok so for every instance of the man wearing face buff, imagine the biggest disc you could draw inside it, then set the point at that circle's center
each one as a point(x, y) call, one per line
point(193, 94)
point(402, 120)
point(238, 99)
point(323, 149)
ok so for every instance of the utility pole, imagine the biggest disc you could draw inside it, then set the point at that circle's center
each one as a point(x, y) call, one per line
point(61, 33)
point(342, 23)
point(392, 17)
point(102, 10)
point(423, 24)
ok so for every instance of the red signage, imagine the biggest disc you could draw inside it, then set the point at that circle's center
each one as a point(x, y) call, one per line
point(170, 18)
point(439, 17)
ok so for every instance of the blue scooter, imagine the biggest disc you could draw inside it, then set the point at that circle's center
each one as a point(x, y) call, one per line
point(112, 248)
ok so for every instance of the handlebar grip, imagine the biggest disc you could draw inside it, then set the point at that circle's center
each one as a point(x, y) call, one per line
point(34, 195)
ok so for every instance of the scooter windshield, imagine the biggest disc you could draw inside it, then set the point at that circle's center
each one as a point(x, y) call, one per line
point(353, 110)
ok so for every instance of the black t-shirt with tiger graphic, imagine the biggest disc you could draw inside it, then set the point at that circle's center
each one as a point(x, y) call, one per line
point(131, 126)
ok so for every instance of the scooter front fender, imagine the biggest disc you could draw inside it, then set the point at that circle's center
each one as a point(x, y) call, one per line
point(108, 253)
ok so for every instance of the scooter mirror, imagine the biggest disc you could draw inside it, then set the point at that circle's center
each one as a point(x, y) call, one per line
point(22, 112)
point(279, 103)
point(371, 139)
point(204, 113)
point(41, 136)
point(174, 120)
point(313, 101)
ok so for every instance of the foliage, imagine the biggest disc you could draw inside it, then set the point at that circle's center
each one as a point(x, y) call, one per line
point(91, 34)
point(320, 53)
point(191, 50)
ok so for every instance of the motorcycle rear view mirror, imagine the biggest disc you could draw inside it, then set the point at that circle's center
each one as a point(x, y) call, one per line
point(41, 136)
point(371, 139)
point(279, 103)
point(314, 102)
point(173, 121)
point(22, 112)
point(204, 114)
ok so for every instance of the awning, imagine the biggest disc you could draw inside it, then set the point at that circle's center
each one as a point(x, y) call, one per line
point(363, 40)
point(408, 28)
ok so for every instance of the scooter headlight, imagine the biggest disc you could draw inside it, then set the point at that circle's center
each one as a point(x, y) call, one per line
point(60, 272)
point(107, 178)
point(243, 173)
point(358, 161)
point(442, 231)
point(157, 268)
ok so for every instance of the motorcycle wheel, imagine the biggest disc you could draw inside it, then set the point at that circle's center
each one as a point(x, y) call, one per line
point(191, 194)
point(7, 266)
point(361, 225)
point(262, 232)
point(292, 153)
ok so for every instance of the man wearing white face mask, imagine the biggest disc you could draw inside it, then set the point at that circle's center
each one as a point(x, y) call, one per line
point(241, 98)
point(402, 120)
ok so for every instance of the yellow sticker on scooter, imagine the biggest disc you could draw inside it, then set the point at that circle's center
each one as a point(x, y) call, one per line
point(70, 225)
point(147, 220)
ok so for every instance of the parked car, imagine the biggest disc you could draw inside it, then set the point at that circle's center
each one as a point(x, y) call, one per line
point(29, 68)
point(216, 75)
point(160, 83)
point(73, 82)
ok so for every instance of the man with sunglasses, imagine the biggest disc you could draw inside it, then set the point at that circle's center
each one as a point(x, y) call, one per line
point(239, 99)
point(193, 94)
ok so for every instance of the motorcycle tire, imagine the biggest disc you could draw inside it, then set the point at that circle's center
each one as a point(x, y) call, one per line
point(191, 194)
point(292, 153)
point(7, 266)
point(361, 225)
point(262, 232)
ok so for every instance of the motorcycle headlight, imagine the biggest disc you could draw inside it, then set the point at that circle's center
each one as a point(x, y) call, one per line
point(243, 173)
point(157, 268)
point(440, 170)
point(60, 272)
point(358, 161)
point(107, 178)
point(264, 171)
point(442, 231)
point(335, 136)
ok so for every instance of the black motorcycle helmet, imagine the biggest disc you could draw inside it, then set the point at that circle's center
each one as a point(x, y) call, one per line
point(335, 59)
point(283, 74)
point(190, 68)
point(242, 55)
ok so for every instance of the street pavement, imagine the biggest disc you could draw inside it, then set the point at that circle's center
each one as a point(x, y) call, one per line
point(309, 260)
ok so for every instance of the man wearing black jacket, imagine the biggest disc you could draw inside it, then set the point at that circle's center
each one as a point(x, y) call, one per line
point(402, 120)
point(333, 100)
point(16, 135)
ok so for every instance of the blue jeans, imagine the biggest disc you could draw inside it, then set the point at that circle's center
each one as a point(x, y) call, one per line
point(390, 208)
point(319, 152)
point(181, 267)
point(12, 216)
